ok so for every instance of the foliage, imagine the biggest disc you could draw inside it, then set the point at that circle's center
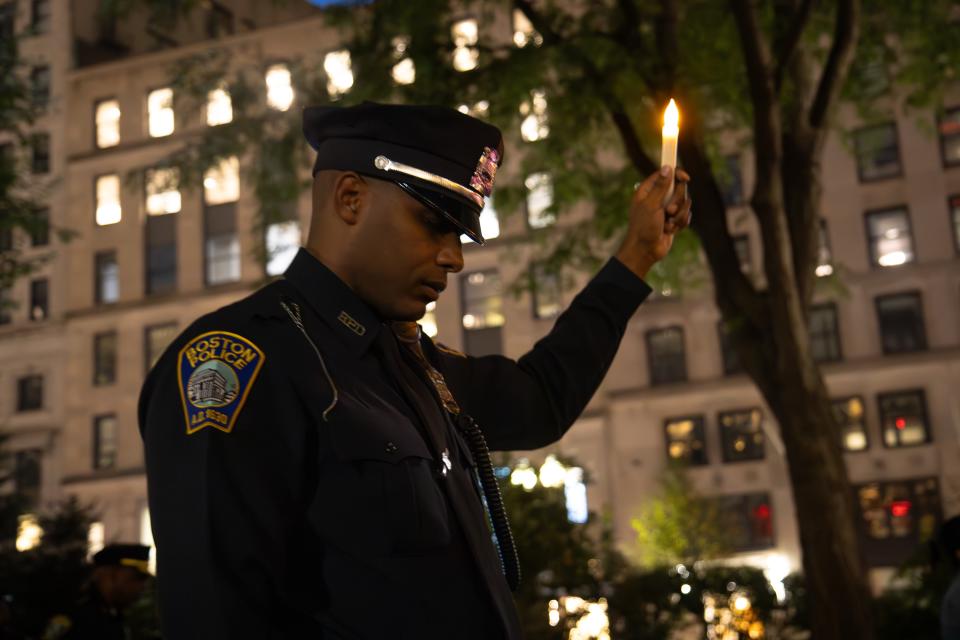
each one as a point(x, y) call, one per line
point(677, 525)
point(910, 606)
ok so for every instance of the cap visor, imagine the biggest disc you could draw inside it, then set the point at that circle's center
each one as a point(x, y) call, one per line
point(463, 216)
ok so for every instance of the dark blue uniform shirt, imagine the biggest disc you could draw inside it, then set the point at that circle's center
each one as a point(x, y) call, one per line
point(293, 475)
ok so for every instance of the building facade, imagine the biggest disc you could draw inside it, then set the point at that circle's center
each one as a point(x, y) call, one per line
point(148, 258)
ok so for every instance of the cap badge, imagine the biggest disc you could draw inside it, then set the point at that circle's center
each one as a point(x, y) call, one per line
point(486, 171)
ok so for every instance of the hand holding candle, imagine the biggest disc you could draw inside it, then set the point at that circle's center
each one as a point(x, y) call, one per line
point(670, 131)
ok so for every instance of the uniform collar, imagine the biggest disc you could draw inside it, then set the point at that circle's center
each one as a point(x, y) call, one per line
point(336, 303)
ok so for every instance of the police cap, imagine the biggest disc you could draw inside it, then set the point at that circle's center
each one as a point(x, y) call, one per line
point(136, 556)
point(441, 157)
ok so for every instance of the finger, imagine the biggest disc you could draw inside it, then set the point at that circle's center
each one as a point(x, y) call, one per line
point(682, 176)
point(679, 195)
point(643, 188)
point(662, 183)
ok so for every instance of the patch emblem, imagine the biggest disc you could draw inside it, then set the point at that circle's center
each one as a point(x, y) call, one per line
point(486, 171)
point(215, 372)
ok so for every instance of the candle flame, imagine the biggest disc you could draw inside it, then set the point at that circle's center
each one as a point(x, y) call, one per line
point(671, 119)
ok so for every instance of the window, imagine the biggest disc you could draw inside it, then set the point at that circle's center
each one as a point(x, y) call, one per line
point(878, 154)
point(221, 244)
point(104, 358)
point(824, 334)
point(40, 86)
point(534, 111)
point(547, 299)
point(219, 107)
point(28, 475)
point(731, 359)
point(955, 220)
point(108, 200)
point(5, 305)
point(489, 223)
point(539, 200)
point(731, 181)
point(156, 340)
point(40, 228)
point(160, 120)
point(39, 16)
point(107, 274)
point(404, 71)
point(161, 254)
point(465, 35)
point(896, 517)
point(338, 68)
point(39, 299)
point(523, 31)
point(848, 412)
point(666, 355)
point(163, 196)
point(888, 232)
point(903, 418)
point(482, 299)
point(283, 242)
point(107, 123)
point(824, 254)
point(749, 521)
point(221, 183)
point(279, 87)
point(105, 442)
point(40, 153)
point(741, 434)
point(685, 440)
point(901, 323)
point(741, 245)
point(949, 127)
point(30, 393)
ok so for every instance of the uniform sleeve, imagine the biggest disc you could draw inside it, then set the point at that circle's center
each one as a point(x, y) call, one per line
point(226, 507)
point(531, 402)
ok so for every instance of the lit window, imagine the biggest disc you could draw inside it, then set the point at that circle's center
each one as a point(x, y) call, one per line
point(824, 255)
point(685, 440)
point(465, 35)
point(523, 31)
point(489, 223)
point(96, 537)
point(160, 112)
point(748, 520)
point(483, 318)
point(949, 128)
point(337, 66)
point(107, 277)
point(283, 242)
point(666, 355)
point(534, 111)
point(219, 107)
point(104, 358)
point(156, 340)
point(903, 418)
point(404, 71)
point(891, 242)
point(107, 119)
point(539, 200)
point(824, 334)
point(29, 532)
point(955, 220)
point(162, 194)
point(848, 413)
point(741, 434)
point(896, 517)
point(901, 323)
point(547, 298)
point(279, 87)
point(878, 153)
point(222, 182)
point(105, 442)
point(428, 323)
point(575, 495)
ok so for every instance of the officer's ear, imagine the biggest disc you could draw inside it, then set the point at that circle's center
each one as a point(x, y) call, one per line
point(351, 194)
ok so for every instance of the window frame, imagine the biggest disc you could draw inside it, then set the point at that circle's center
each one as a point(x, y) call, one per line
point(464, 288)
point(942, 139)
point(923, 321)
point(726, 345)
point(647, 335)
point(871, 241)
point(699, 420)
point(723, 431)
point(112, 378)
point(153, 290)
point(38, 18)
point(98, 283)
point(891, 550)
point(35, 72)
point(97, 444)
point(834, 401)
point(96, 198)
point(745, 503)
point(836, 331)
point(856, 151)
point(924, 410)
point(146, 104)
point(36, 155)
point(953, 215)
point(537, 272)
point(96, 105)
point(22, 405)
point(35, 283)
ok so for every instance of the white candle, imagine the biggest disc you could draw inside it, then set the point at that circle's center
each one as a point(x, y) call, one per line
point(670, 131)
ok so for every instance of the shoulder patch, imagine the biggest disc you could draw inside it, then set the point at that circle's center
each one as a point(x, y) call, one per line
point(453, 352)
point(215, 372)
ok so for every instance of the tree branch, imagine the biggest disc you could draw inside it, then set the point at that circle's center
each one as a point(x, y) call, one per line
point(845, 34)
point(798, 23)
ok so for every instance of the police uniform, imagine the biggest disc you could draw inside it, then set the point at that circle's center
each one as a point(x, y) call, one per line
point(92, 618)
point(311, 468)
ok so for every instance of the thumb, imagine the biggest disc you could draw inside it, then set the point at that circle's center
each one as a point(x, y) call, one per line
point(662, 184)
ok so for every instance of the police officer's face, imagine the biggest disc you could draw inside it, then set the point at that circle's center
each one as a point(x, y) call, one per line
point(403, 252)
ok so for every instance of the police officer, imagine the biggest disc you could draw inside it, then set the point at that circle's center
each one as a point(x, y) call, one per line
point(120, 574)
point(319, 469)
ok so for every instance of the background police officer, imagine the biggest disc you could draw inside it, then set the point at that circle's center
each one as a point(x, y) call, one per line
point(325, 484)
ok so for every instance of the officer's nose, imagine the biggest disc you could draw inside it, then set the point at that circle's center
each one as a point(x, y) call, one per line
point(450, 256)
